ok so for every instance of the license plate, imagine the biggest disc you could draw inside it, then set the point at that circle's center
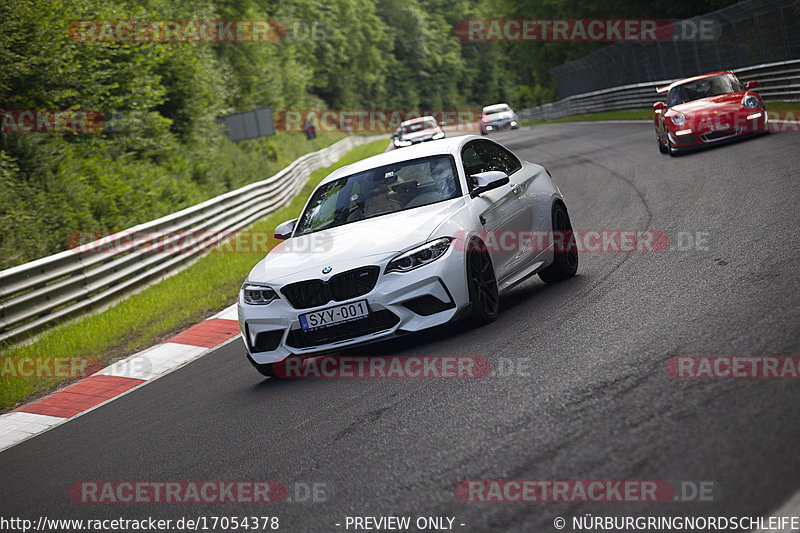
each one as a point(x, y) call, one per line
point(720, 127)
point(334, 315)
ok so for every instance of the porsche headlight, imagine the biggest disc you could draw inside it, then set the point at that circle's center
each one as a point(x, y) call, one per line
point(750, 101)
point(419, 256)
point(255, 294)
point(679, 119)
point(438, 135)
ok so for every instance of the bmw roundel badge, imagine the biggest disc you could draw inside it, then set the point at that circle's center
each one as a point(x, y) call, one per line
point(327, 269)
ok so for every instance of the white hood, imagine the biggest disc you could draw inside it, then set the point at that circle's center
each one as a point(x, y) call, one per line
point(345, 247)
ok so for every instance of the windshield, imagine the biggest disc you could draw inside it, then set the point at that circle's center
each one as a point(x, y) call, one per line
point(496, 109)
point(380, 191)
point(419, 126)
point(703, 88)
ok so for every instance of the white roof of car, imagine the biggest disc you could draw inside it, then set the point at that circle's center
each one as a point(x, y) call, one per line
point(418, 119)
point(448, 145)
point(496, 106)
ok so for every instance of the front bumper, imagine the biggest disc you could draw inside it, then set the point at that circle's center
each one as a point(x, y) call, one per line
point(737, 127)
point(500, 125)
point(400, 302)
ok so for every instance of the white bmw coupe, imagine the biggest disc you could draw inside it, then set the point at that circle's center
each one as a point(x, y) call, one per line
point(404, 241)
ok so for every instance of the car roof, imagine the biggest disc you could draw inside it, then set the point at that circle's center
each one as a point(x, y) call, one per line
point(446, 146)
point(497, 106)
point(418, 119)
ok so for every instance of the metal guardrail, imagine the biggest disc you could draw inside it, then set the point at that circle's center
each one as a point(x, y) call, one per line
point(748, 32)
point(779, 81)
point(43, 292)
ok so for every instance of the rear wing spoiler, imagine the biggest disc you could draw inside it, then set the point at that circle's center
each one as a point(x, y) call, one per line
point(661, 90)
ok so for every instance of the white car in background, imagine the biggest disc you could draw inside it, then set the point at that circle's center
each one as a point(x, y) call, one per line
point(417, 130)
point(398, 243)
point(498, 117)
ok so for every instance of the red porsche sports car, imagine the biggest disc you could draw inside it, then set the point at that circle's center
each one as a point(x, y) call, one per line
point(707, 109)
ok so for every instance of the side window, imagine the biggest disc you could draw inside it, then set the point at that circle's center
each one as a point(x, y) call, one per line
point(471, 160)
point(483, 156)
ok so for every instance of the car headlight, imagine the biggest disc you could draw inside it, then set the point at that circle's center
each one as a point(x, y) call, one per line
point(438, 135)
point(419, 256)
point(254, 294)
point(750, 101)
point(679, 119)
point(401, 142)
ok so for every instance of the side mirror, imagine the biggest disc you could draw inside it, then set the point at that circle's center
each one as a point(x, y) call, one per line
point(284, 230)
point(751, 85)
point(658, 106)
point(486, 181)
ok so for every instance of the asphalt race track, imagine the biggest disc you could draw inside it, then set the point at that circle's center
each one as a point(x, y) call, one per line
point(597, 402)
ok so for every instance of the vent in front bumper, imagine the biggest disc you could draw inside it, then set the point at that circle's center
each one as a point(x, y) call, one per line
point(720, 135)
point(375, 322)
point(428, 305)
point(267, 341)
point(315, 292)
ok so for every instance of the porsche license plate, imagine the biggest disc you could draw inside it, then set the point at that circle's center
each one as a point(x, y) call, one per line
point(334, 315)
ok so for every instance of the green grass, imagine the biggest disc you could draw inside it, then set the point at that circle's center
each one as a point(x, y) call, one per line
point(159, 311)
point(783, 106)
point(640, 114)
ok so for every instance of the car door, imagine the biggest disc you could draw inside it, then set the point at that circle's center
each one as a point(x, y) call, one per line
point(505, 213)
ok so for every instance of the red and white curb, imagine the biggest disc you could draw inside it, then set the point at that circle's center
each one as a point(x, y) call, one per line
point(120, 378)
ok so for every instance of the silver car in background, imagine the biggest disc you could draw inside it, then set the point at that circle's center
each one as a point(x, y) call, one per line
point(498, 117)
point(417, 130)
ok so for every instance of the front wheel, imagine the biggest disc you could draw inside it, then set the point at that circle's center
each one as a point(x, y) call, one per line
point(565, 256)
point(483, 295)
point(671, 150)
point(661, 147)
